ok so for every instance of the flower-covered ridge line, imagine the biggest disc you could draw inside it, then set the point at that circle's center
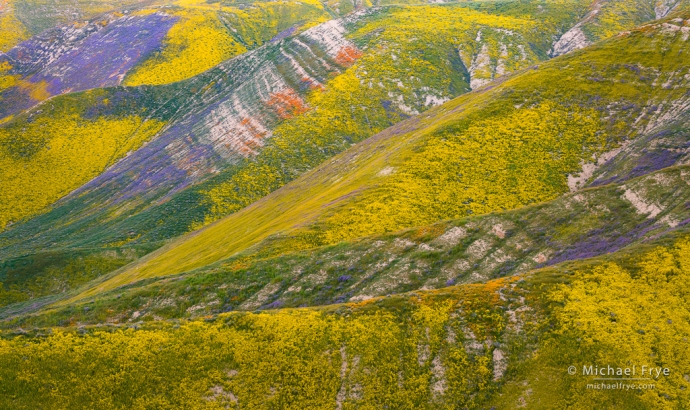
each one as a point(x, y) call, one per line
point(517, 143)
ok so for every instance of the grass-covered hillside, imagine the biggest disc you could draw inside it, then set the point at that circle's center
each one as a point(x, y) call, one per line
point(506, 343)
point(518, 142)
point(243, 129)
point(604, 19)
point(468, 250)
point(344, 204)
point(246, 127)
point(576, 226)
point(151, 44)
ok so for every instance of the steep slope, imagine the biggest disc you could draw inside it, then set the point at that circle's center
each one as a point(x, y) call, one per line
point(576, 226)
point(152, 45)
point(21, 19)
point(604, 19)
point(501, 344)
point(503, 147)
point(12, 31)
point(263, 118)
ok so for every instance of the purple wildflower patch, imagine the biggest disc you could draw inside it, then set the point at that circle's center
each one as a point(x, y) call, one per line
point(71, 60)
point(601, 241)
point(284, 34)
point(654, 161)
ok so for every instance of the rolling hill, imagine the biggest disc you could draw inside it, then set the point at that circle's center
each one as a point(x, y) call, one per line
point(502, 147)
point(141, 45)
point(349, 204)
point(505, 343)
point(164, 189)
point(213, 154)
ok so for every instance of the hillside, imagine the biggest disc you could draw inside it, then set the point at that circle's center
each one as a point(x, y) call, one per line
point(249, 204)
point(411, 174)
point(503, 344)
point(21, 19)
point(469, 250)
point(265, 117)
point(604, 19)
point(136, 205)
point(141, 45)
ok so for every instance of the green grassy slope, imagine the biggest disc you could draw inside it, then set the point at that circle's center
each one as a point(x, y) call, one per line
point(372, 94)
point(502, 344)
point(37, 275)
point(366, 94)
point(210, 33)
point(44, 159)
point(502, 147)
point(585, 224)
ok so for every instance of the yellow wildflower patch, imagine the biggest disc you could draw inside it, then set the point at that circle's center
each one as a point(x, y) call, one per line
point(48, 158)
point(192, 46)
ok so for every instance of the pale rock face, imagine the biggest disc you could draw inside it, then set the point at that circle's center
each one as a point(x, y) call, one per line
point(360, 298)
point(500, 364)
point(423, 353)
point(500, 52)
point(232, 129)
point(501, 67)
point(573, 39)
point(432, 100)
point(451, 237)
point(480, 64)
point(472, 346)
point(439, 384)
point(331, 35)
point(479, 248)
point(399, 101)
point(499, 231)
point(541, 257)
point(261, 296)
point(670, 221)
point(641, 206)
point(663, 7)
point(386, 171)
point(578, 181)
point(235, 126)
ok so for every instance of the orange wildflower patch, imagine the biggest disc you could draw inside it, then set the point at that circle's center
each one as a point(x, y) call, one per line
point(238, 264)
point(252, 128)
point(312, 84)
point(428, 232)
point(287, 103)
point(250, 137)
point(347, 56)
